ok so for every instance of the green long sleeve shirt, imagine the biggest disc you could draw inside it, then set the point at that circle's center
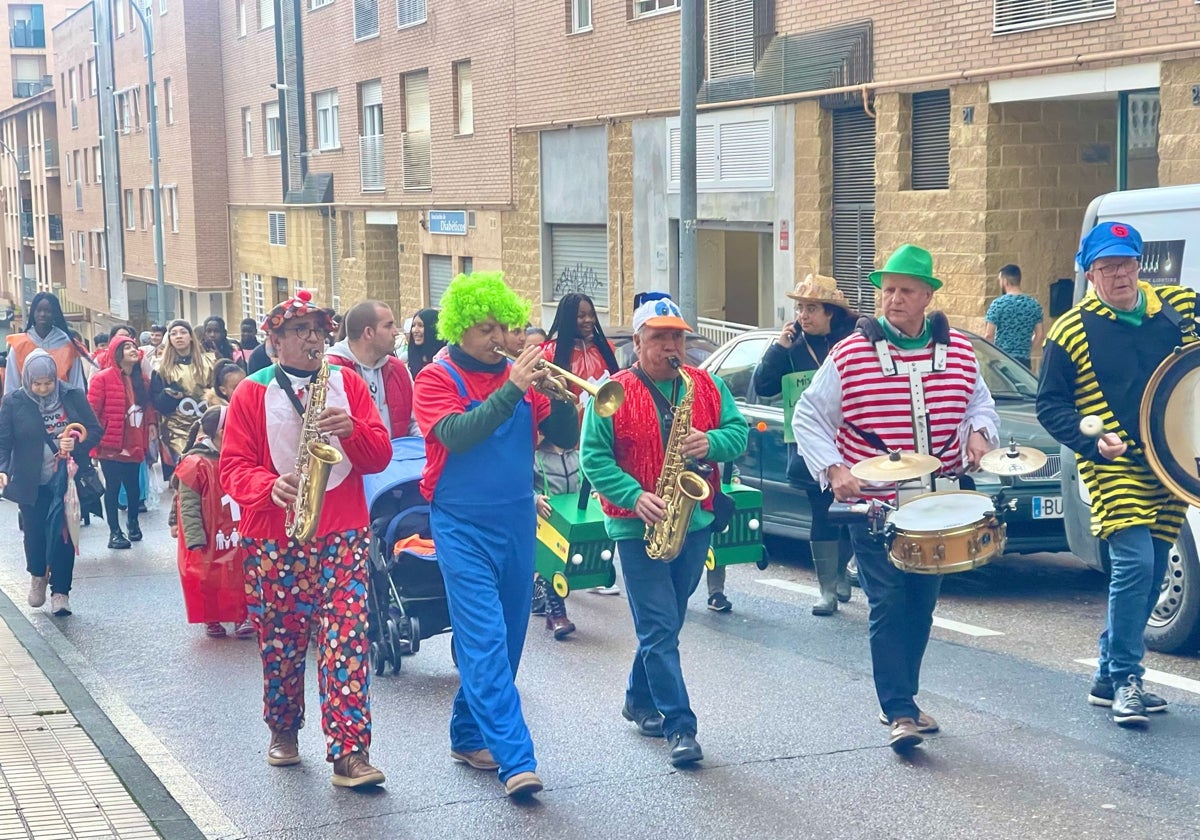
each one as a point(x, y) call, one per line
point(725, 443)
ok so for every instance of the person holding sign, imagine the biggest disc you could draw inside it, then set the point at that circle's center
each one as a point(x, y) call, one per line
point(823, 318)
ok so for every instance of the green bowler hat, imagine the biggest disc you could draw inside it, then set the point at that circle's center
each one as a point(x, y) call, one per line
point(911, 260)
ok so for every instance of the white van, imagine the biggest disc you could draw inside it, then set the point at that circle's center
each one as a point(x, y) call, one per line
point(1168, 219)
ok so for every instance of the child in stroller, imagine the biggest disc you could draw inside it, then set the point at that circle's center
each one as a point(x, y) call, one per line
point(407, 597)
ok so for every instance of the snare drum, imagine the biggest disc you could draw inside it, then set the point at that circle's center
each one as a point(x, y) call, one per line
point(942, 533)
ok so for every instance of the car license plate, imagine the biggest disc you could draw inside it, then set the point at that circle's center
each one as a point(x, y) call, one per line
point(1047, 507)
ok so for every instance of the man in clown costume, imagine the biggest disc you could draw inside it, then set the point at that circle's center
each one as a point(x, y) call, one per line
point(480, 415)
point(321, 583)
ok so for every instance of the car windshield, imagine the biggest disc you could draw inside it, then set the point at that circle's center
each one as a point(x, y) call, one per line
point(1006, 378)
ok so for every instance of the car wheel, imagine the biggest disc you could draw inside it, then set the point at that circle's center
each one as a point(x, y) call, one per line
point(1174, 626)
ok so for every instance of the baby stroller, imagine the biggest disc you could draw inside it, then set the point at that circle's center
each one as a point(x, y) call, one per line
point(406, 596)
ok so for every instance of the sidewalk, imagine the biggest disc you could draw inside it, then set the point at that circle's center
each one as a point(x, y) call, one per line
point(55, 783)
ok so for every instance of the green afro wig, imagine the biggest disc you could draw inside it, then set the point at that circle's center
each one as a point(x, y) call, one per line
point(472, 298)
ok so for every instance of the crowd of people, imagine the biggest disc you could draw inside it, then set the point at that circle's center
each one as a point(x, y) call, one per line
point(224, 420)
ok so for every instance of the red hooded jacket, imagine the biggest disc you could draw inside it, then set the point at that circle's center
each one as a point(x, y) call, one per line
point(126, 432)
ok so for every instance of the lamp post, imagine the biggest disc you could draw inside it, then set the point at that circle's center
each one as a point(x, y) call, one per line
point(689, 83)
point(145, 16)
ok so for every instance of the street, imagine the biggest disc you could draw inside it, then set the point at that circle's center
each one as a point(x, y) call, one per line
point(785, 701)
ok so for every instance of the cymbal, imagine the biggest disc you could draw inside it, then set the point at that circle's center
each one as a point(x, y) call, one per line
point(1013, 460)
point(895, 466)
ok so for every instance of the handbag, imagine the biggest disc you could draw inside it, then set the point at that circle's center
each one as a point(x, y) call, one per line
point(90, 489)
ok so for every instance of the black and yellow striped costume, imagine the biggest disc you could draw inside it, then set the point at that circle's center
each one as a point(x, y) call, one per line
point(1095, 363)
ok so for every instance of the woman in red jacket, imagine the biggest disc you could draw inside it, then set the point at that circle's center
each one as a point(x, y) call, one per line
point(120, 396)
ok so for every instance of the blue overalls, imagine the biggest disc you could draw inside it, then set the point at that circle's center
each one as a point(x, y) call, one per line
point(484, 525)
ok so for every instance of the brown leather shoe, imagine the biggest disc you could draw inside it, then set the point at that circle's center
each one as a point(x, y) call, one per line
point(560, 625)
point(522, 785)
point(354, 770)
point(904, 735)
point(479, 759)
point(926, 724)
point(285, 749)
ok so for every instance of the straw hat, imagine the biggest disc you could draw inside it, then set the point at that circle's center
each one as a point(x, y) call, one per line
point(817, 288)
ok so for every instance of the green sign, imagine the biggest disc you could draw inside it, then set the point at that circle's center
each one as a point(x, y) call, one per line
point(793, 386)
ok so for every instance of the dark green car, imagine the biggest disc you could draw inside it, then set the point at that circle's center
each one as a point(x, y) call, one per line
point(1036, 525)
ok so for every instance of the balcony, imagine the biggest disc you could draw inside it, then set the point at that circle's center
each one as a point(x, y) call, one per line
point(370, 163)
point(25, 88)
point(418, 164)
point(27, 225)
point(23, 35)
point(56, 232)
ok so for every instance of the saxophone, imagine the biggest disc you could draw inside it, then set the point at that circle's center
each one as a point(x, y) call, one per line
point(314, 460)
point(681, 487)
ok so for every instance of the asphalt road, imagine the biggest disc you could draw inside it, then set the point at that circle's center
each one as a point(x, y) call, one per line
point(785, 700)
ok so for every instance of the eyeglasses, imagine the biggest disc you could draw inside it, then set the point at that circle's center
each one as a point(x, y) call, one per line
point(305, 332)
point(1111, 270)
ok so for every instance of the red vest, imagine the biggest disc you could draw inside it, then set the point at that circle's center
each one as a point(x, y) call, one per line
point(397, 391)
point(637, 443)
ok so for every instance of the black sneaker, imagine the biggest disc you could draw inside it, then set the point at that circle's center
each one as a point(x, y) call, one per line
point(717, 602)
point(117, 540)
point(1102, 695)
point(135, 532)
point(1127, 707)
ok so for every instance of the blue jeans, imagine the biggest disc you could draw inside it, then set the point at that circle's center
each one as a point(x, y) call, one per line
point(658, 594)
point(901, 617)
point(1138, 564)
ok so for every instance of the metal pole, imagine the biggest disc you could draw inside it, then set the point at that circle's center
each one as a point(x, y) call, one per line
point(156, 184)
point(689, 83)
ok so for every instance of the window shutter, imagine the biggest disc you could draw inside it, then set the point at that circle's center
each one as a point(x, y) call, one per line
point(1020, 15)
point(579, 261)
point(854, 206)
point(746, 151)
point(931, 140)
point(366, 19)
point(440, 271)
point(730, 26)
point(371, 93)
point(277, 228)
point(409, 12)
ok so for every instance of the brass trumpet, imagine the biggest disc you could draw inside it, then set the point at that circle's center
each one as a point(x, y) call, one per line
point(608, 396)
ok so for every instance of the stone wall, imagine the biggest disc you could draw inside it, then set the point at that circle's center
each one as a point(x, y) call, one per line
point(1178, 138)
point(812, 237)
point(620, 222)
point(305, 258)
point(521, 237)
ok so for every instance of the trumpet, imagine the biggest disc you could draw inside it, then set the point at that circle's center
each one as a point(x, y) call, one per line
point(608, 396)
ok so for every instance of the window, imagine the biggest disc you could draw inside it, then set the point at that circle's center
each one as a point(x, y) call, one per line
point(93, 85)
point(162, 7)
point(241, 18)
point(247, 133)
point(931, 140)
point(327, 120)
point(68, 172)
point(277, 228)
point(74, 158)
point(97, 166)
point(730, 30)
point(1020, 15)
point(170, 89)
point(247, 299)
point(145, 214)
point(439, 271)
point(129, 210)
point(171, 207)
point(84, 256)
point(71, 246)
point(370, 141)
point(579, 261)
point(125, 108)
point(648, 7)
point(266, 14)
point(271, 127)
point(418, 165)
point(366, 19)
point(136, 96)
point(734, 150)
point(316, 4)
point(102, 248)
point(409, 12)
point(581, 15)
point(463, 104)
point(466, 265)
point(737, 368)
point(260, 300)
point(119, 15)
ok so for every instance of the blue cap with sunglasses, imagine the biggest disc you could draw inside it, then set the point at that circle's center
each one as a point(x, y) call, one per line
point(1109, 239)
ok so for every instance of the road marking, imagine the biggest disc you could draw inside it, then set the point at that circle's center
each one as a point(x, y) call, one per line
point(191, 796)
point(1160, 677)
point(944, 623)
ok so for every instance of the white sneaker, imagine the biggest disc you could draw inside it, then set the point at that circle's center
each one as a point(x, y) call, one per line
point(60, 605)
point(37, 590)
point(606, 590)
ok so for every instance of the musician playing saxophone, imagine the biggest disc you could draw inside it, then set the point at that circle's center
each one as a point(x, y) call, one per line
point(623, 457)
point(318, 586)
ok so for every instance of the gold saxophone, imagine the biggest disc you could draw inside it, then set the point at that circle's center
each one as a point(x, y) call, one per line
point(314, 460)
point(680, 487)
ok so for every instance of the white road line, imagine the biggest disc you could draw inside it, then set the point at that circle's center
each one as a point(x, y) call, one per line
point(1160, 677)
point(191, 796)
point(944, 623)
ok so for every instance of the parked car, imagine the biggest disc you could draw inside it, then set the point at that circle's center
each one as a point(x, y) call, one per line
point(1036, 524)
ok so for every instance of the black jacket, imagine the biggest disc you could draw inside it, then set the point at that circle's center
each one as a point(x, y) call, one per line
point(23, 440)
point(779, 361)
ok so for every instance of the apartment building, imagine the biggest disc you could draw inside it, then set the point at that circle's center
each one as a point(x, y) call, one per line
point(28, 68)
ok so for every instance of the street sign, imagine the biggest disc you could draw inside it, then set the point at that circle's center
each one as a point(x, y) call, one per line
point(448, 222)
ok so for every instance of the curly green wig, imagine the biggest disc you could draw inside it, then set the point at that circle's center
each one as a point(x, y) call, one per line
point(472, 298)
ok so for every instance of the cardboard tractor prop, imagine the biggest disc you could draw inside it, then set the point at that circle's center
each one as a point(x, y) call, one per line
point(573, 550)
point(741, 541)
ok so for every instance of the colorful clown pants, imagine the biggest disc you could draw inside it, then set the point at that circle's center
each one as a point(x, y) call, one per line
point(293, 589)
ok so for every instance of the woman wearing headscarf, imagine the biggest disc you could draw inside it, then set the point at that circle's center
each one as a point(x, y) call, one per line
point(423, 341)
point(47, 330)
point(177, 389)
point(120, 396)
point(33, 471)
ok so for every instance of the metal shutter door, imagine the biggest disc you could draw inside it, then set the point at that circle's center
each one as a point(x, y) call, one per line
point(440, 271)
point(854, 206)
point(931, 140)
point(579, 261)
